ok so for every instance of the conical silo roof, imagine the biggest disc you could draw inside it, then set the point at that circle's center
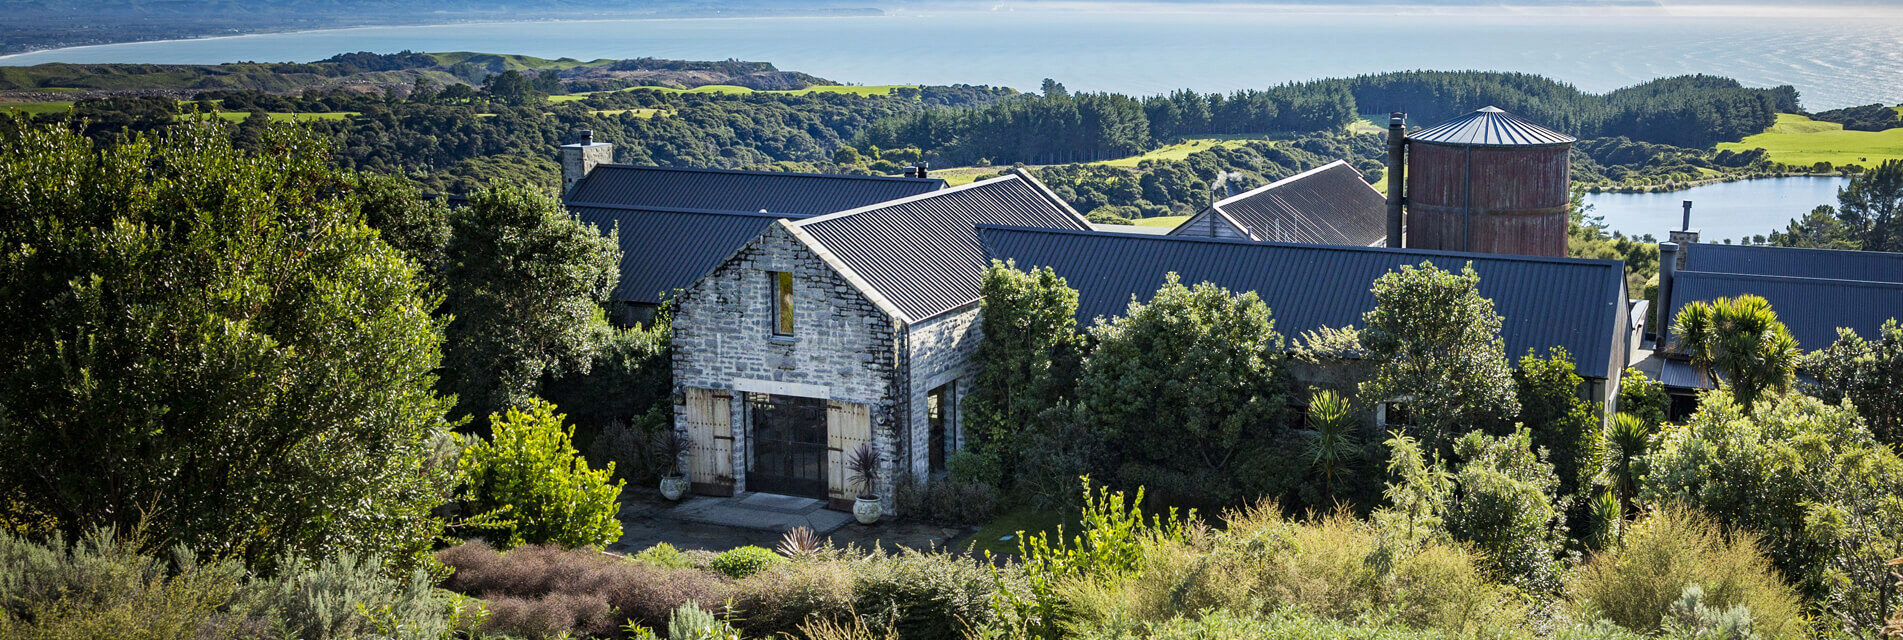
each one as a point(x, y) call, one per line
point(1490, 127)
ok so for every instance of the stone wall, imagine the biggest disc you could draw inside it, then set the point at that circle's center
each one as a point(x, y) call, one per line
point(940, 351)
point(843, 346)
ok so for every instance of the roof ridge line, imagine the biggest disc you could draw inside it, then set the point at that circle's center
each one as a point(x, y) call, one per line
point(1278, 183)
point(905, 200)
point(803, 174)
point(714, 212)
point(1791, 279)
point(1587, 262)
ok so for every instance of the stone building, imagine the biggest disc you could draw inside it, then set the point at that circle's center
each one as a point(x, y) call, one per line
point(824, 333)
point(676, 224)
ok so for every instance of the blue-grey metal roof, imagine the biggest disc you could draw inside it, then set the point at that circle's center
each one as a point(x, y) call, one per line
point(1490, 127)
point(1329, 204)
point(922, 253)
point(1812, 308)
point(783, 193)
point(1877, 266)
point(1542, 302)
point(666, 250)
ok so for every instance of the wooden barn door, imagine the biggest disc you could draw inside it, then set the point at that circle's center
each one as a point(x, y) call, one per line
point(709, 419)
point(848, 425)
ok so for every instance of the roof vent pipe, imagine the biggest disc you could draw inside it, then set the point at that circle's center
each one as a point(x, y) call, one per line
point(1686, 225)
point(1668, 271)
point(1397, 172)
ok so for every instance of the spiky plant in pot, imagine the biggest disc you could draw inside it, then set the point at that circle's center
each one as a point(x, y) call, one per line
point(865, 466)
point(669, 449)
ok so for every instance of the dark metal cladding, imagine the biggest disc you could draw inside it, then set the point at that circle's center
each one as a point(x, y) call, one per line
point(1330, 204)
point(1876, 266)
point(729, 190)
point(1543, 302)
point(666, 250)
point(1489, 182)
point(1854, 304)
point(922, 253)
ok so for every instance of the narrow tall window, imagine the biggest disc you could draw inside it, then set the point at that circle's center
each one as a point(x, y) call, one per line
point(782, 302)
point(938, 417)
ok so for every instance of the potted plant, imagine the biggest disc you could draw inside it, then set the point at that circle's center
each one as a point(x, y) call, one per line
point(864, 464)
point(671, 448)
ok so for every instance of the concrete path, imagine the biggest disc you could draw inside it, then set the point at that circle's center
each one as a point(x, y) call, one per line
point(719, 524)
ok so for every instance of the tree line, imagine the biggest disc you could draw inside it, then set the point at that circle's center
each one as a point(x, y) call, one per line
point(1059, 127)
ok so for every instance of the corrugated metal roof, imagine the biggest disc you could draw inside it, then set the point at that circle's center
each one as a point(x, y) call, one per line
point(1877, 266)
point(1329, 204)
point(1812, 308)
point(1490, 127)
point(729, 190)
point(666, 250)
point(922, 253)
point(1543, 302)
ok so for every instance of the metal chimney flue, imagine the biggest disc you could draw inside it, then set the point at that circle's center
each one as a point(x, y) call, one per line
point(587, 136)
point(1686, 224)
point(1397, 172)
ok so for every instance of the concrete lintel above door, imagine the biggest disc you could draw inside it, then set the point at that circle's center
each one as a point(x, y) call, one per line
point(798, 389)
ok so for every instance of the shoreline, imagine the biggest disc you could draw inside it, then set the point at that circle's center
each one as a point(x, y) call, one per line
point(1687, 186)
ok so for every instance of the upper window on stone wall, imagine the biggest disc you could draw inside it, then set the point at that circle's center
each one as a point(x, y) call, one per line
point(782, 302)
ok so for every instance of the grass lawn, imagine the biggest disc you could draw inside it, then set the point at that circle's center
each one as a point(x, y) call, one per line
point(36, 107)
point(1167, 222)
point(963, 175)
point(1798, 140)
point(1180, 149)
point(1000, 536)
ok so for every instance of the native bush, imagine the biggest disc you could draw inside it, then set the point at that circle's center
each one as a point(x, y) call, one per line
point(1806, 477)
point(230, 370)
point(529, 474)
point(1636, 582)
point(1562, 423)
point(1182, 385)
point(1742, 340)
point(922, 596)
point(744, 561)
point(545, 583)
point(1026, 362)
point(790, 595)
point(1503, 504)
point(1434, 344)
point(1867, 372)
point(1332, 567)
point(1643, 397)
point(665, 556)
point(944, 500)
point(104, 586)
point(1282, 624)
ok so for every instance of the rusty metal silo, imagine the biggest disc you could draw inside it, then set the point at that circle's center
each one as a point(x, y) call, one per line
point(1488, 182)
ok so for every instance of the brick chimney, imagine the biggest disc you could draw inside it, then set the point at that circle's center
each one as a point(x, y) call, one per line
point(581, 157)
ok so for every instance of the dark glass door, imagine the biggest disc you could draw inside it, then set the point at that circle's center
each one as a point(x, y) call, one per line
point(788, 455)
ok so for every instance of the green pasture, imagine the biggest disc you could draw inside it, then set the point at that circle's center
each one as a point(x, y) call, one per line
point(1798, 140)
point(1167, 222)
point(1181, 149)
point(37, 107)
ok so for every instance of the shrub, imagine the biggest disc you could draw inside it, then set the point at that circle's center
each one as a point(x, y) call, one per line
point(664, 555)
point(530, 473)
point(104, 586)
point(1643, 397)
point(945, 501)
point(1503, 505)
point(1286, 624)
point(744, 561)
point(1183, 383)
point(923, 596)
point(549, 580)
point(1333, 567)
point(1824, 498)
point(1636, 583)
point(790, 595)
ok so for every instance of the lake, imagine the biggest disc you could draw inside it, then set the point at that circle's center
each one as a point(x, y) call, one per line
point(1143, 49)
point(1724, 210)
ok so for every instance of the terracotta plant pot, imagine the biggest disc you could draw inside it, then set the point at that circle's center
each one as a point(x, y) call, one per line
point(673, 487)
point(867, 509)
